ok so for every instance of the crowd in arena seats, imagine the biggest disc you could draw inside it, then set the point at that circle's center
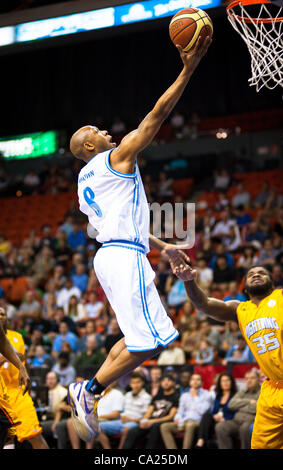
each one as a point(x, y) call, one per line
point(69, 327)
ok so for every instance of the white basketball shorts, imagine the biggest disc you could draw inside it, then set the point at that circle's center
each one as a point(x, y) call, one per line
point(126, 277)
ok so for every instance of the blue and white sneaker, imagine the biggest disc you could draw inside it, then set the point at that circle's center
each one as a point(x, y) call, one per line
point(84, 410)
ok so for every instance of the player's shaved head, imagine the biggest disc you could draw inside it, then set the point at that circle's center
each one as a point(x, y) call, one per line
point(88, 141)
point(82, 143)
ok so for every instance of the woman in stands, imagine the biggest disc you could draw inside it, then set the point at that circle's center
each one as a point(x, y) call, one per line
point(224, 391)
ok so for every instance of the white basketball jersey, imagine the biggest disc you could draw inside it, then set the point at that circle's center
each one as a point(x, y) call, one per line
point(114, 202)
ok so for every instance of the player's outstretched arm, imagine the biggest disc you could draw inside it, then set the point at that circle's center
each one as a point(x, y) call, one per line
point(214, 308)
point(137, 140)
point(7, 350)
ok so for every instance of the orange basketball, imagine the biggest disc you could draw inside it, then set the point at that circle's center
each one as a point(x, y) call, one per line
point(187, 25)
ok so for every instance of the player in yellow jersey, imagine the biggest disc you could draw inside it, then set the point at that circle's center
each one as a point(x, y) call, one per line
point(261, 322)
point(29, 428)
point(8, 417)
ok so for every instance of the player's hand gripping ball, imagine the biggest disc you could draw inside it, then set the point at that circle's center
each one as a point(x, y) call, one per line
point(186, 27)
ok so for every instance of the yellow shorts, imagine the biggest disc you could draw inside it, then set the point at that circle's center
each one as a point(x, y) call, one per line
point(6, 405)
point(268, 425)
point(26, 413)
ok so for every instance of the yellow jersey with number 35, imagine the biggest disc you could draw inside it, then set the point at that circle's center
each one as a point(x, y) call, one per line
point(262, 328)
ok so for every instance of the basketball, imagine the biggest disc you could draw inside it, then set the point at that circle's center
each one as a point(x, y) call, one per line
point(187, 25)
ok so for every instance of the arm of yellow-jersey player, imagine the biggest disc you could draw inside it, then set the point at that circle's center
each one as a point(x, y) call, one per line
point(8, 352)
point(214, 308)
point(124, 156)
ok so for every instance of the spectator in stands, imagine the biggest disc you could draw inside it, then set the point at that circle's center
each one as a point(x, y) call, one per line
point(56, 393)
point(44, 263)
point(192, 405)
point(57, 428)
point(109, 409)
point(184, 381)
point(209, 332)
point(58, 276)
point(267, 254)
point(205, 273)
point(62, 251)
point(222, 273)
point(66, 348)
point(228, 338)
point(56, 317)
point(91, 357)
point(46, 238)
point(64, 335)
point(113, 336)
point(77, 258)
point(240, 352)
point(242, 217)
point(80, 278)
point(243, 404)
point(277, 276)
point(247, 259)
point(254, 235)
point(162, 408)
point(263, 195)
point(64, 370)
point(41, 358)
point(227, 231)
point(93, 307)
point(90, 331)
point(221, 180)
point(66, 293)
point(242, 197)
point(220, 250)
point(172, 355)
point(136, 403)
point(77, 239)
point(90, 253)
point(204, 353)
point(155, 374)
point(225, 389)
point(222, 202)
point(76, 310)
point(233, 293)
point(67, 226)
point(190, 337)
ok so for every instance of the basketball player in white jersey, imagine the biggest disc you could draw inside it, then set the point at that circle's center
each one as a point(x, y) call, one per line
point(111, 194)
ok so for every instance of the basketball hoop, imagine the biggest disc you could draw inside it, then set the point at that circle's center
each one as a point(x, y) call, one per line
point(260, 24)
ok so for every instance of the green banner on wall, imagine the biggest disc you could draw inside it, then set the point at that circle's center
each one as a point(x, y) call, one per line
point(29, 145)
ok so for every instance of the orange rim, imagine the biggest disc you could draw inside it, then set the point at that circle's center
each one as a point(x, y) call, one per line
point(235, 3)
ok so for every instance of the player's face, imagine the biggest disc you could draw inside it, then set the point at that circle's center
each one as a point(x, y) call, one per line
point(258, 281)
point(102, 140)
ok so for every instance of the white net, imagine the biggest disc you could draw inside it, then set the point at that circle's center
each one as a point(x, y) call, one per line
point(264, 40)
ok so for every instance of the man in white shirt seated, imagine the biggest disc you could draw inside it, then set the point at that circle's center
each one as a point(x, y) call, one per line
point(193, 404)
point(135, 405)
